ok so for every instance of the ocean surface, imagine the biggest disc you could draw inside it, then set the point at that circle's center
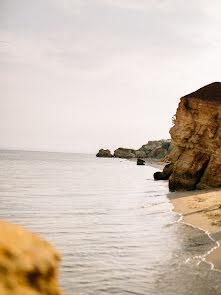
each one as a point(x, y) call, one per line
point(112, 223)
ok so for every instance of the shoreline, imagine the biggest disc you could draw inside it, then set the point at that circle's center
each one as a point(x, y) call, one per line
point(155, 163)
point(200, 209)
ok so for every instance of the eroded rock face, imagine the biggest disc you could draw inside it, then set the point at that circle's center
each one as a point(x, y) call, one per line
point(196, 160)
point(28, 264)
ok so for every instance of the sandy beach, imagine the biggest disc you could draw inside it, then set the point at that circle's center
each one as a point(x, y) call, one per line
point(201, 209)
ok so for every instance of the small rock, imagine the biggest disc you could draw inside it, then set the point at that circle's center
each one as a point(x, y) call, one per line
point(140, 162)
point(159, 176)
point(104, 153)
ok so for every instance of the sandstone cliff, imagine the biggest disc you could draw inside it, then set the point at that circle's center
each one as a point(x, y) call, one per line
point(28, 265)
point(196, 159)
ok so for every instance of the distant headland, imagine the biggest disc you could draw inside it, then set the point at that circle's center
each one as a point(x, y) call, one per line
point(194, 151)
point(157, 149)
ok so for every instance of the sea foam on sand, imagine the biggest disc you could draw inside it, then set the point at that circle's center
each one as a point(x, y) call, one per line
point(201, 209)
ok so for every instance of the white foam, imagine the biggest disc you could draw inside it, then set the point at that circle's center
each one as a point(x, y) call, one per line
point(202, 258)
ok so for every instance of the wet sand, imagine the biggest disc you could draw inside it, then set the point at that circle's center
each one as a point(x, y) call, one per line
point(201, 209)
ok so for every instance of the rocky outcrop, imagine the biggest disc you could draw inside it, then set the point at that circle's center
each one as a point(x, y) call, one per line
point(124, 153)
point(156, 149)
point(140, 154)
point(104, 153)
point(28, 264)
point(196, 159)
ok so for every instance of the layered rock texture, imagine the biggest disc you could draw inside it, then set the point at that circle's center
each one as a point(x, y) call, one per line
point(28, 265)
point(196, 134)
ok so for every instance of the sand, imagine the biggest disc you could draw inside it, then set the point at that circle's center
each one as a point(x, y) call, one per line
point(201, 209)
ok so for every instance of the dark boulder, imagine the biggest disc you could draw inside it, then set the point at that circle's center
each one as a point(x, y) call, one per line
point(167, 171)
point(159, 176)
point(140, 162)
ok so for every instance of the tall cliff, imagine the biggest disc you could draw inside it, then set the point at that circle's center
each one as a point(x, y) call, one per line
point(196, 134)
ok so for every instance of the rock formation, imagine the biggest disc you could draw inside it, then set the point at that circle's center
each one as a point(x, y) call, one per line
point(124, 153)
point(156, 149)
point(28, 265)
point(104, 153)
point(196, 134)
point(140, 162)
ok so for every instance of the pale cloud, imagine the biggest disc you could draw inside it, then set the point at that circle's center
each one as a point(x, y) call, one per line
point(150, 5)
point(139, 5)
point(81, 63)
point(70, 6)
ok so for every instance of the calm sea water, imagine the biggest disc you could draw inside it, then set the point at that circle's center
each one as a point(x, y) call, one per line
point(111, 222)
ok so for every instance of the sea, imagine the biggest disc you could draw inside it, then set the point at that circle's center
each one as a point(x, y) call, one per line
point(111, 222)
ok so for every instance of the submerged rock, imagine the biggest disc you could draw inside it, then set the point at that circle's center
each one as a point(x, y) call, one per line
point(104, 153)
point(196, 134)
point(28, 264)
point(140, 162)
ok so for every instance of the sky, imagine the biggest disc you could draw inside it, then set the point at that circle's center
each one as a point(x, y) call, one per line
point(80, 75)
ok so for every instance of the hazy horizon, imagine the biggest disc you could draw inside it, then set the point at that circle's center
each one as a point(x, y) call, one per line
point(79, 75)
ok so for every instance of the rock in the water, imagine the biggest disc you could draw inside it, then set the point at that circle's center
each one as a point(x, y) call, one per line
point(28, 264)
point(140, 162)
point(124, 153)
point(196, 134)
point(104, 153)
point(153, 149)
point(167, 171)
point(158, 176)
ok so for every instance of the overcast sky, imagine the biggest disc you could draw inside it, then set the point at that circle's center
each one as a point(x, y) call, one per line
point(78, 75)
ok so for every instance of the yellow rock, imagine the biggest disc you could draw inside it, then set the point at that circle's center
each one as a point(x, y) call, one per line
point(197, 135)
point(28, 264)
